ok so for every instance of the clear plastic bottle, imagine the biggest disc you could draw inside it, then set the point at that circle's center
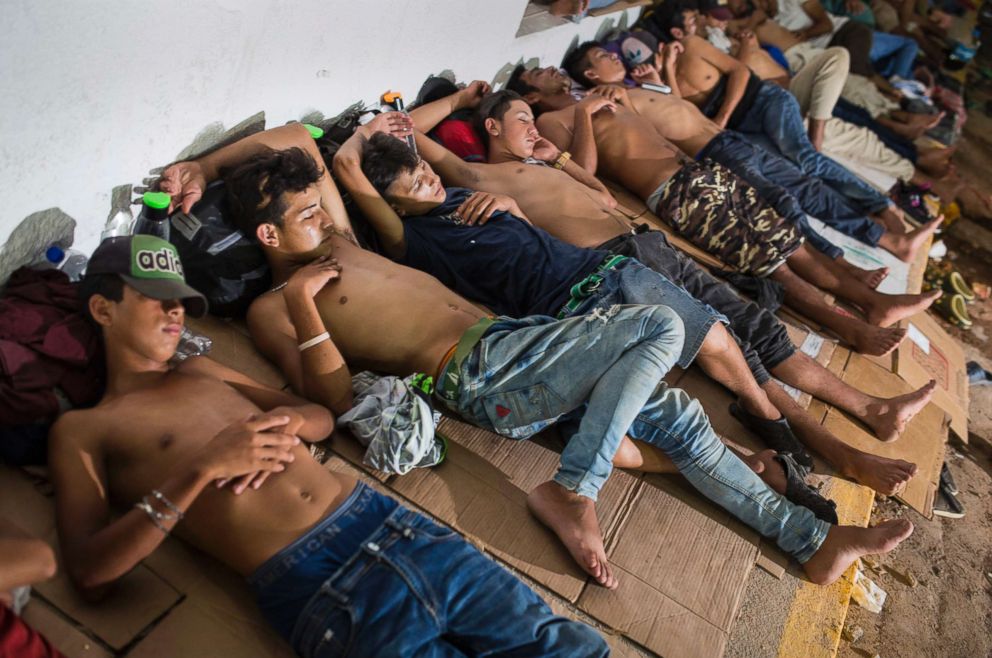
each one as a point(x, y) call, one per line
point(70, 261)
point(154, 216)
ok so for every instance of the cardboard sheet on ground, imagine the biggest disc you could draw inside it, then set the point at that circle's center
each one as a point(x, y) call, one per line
point(684, 571)
point(869, 258)
point(922, 443)
point(928, 353)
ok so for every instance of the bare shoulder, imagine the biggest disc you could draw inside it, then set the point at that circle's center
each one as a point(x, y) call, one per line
point(695, 44)
point(203, 365)
point(77, 429)
point(269, 309)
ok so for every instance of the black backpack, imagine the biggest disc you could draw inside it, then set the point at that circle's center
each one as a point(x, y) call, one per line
point(219, 260)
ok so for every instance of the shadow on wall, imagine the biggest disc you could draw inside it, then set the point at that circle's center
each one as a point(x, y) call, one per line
point(41, 229)
point(33, 235)
point(606, 30)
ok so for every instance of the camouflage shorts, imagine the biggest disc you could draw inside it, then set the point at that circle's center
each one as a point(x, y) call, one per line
point(717, 211)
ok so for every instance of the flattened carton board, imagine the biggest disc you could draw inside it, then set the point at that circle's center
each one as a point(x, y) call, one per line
point(928, 353)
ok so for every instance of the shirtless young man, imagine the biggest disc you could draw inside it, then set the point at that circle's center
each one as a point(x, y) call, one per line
point(894, 127)
point(481, 246)
point(707, 204)
point(704, 75)
point(513, 376)
point(779, 181)
point(576, 208)
point(214, 457)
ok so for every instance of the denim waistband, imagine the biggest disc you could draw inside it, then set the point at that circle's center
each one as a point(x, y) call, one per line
point(343, 518)
point(284, 583)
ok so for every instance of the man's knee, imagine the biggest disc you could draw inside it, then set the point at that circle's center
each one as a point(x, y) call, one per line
point(837, 59)
point(717, 340)
point(668, 325)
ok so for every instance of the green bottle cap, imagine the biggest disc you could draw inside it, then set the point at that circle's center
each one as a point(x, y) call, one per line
point(157, 200)
point(315, 132)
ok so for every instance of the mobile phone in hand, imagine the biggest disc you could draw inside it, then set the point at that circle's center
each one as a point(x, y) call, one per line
point(661, 89)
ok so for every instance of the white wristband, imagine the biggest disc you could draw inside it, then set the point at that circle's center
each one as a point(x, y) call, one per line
point(316, 340)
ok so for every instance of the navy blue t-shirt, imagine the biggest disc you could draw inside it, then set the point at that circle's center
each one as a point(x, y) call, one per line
point(511, 267)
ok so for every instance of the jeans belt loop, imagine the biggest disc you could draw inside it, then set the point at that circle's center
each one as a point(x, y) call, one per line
point(590, 284)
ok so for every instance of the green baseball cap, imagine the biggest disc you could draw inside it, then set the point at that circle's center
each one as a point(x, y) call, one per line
point(151, 266)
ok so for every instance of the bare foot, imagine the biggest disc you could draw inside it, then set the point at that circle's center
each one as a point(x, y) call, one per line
point(884, 475)
point(845, 544)
point(889, 309)
point(936, 162)
point(888, 418)
point(573, 518)
point(904, 246)
point(871, 278)
point(874, 341)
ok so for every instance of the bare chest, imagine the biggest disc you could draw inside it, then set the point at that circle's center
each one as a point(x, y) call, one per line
point(150, 438)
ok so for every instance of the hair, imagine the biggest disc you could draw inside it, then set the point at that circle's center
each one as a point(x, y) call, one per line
point(493, 106)
point(110, 286)
point(256, 186)
point(516, 84)
point(384, 158)
point(576, 63)
point(670, 15)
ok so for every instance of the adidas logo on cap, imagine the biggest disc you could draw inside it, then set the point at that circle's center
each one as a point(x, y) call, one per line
point(164, 260)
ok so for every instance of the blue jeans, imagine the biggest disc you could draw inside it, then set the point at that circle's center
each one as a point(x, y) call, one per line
point(775, 116)
point(376, 579)
point(525, 374)
point(632, 282)
point(892, 54)
point(790, 191)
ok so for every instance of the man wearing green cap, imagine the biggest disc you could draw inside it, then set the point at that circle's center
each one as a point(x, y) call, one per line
point(185, 450)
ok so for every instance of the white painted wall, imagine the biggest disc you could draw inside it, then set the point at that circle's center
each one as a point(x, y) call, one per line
point(97, 92)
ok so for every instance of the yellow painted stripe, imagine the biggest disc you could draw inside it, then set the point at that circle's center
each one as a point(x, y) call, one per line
point(816, 617)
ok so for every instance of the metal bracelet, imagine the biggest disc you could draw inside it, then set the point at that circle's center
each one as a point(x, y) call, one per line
point(169, 504)
point(153, 516)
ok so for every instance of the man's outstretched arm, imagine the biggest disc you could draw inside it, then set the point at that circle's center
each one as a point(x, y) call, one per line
point(428, 115)
point(98, 550)
point(348, 169)
point(452, 169)
point(185, 181)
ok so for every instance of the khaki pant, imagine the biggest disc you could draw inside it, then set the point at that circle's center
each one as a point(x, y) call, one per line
point(818, 78)
point(886, 16)
point(862, 92)
point(847, 142)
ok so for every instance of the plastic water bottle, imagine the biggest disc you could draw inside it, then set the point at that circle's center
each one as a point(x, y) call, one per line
point(154, 216)
point(70, 261)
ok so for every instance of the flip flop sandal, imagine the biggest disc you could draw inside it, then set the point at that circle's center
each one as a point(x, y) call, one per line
point(956, 285)
point(944, 277)
point(977, 375)
point(776, 434)
point(800, 493)
point(952, 308)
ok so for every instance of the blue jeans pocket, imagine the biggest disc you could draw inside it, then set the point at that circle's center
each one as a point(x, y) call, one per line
point(521, 413)
point(329, 630)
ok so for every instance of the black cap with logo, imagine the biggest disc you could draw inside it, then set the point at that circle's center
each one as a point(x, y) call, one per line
point(151, 266)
